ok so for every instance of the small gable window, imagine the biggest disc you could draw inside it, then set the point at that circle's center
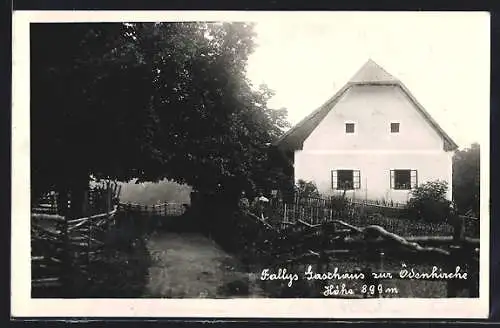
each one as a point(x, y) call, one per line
point(349, 128)
point(394, 127)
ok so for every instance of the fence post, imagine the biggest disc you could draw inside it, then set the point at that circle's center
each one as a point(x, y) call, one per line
point(371, 255)
point(89, 245)
point(381, 269)
point(66, 265)
point(118, 192)
point(320, 267)
point(370, 280)
point(108, 196)
point(86, 213)
point(109, 200)
point(451, 286)
point(473, 275)
point(458, 229)
point(455, 252)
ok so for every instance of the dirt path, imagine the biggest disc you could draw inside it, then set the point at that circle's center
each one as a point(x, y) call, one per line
point(191, 265)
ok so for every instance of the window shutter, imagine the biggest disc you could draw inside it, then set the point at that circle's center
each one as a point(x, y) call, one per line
point(413, 179)
point(334, 179)
point(392, 180)
point(356, 179)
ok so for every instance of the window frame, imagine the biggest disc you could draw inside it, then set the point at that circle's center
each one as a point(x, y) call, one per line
point(398, 124)
point(353, 124)
point(413, 183)
point(355, 178)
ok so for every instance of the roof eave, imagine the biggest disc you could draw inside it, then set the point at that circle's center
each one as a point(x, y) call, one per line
point(287, 142)
point(323, 109)
point(448, 144)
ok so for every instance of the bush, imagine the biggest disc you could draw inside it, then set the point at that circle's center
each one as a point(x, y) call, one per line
point(306, 189)
point(428, 202)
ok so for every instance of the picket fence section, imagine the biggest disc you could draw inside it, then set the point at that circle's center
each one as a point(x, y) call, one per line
point(392, 216)
point(167, 209)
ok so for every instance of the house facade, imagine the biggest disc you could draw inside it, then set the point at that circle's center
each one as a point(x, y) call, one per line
point(372, 140)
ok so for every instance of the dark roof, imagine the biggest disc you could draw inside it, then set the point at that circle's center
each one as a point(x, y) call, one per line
point(369, 74)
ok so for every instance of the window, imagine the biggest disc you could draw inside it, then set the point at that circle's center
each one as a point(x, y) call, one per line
point(349, 128)
point(394, 127)
point(346, 179)
point(403, 179)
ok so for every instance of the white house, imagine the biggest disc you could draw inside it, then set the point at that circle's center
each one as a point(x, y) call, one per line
point(372, 139)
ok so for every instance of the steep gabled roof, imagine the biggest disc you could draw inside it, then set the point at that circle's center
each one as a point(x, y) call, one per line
point(370, 74)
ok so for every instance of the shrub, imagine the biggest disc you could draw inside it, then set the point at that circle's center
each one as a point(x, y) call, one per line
point(428, 202)
point(306, 189)
point(344, 208)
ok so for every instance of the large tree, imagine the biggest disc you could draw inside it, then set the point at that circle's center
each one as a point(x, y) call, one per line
point(466, 179)
point(149, 101)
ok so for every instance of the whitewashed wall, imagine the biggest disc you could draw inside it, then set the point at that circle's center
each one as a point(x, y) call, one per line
point(372, 149)
point(374, 171)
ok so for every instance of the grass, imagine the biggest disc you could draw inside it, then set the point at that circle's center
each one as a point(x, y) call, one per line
point(121, 273)
point(404, 227)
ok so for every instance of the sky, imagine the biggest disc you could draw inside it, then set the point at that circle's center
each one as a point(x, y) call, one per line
point(443, 58)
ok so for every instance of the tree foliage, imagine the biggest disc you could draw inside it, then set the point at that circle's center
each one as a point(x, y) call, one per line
point(149, 101)
point(466, 180)
point(306, 189)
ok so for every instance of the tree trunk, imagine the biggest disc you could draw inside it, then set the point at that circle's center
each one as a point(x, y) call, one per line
point(79, 185)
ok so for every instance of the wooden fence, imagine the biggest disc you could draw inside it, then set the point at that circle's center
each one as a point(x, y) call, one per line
point(379, 203)
point(300, 244)
point(69, 245)
point(335, 201)
point(391, 216)
point(64, 247)
point(164, 210)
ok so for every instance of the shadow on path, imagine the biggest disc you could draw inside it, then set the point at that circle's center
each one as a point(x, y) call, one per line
point(189, 265)
point(150, 262)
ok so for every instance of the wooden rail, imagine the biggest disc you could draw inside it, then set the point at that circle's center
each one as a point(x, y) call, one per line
point(164, 209)
point(392, 216)
point(360, 242)
point(81, 238)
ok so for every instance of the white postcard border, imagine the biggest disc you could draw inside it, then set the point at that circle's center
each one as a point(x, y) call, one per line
point(24, 306)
